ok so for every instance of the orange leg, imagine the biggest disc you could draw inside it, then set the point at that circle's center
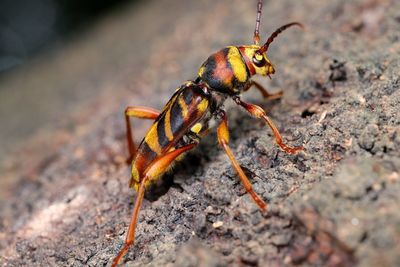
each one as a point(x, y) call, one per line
point(263, 91)
point(157, 168)
point(223, 139)
point(258, 112)
point(138, 112)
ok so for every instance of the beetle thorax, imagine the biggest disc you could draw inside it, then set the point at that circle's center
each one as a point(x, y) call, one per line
point(225, 71)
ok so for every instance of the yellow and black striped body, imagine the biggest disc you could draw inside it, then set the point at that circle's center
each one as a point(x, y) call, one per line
point(176, 126)
point(185, 117)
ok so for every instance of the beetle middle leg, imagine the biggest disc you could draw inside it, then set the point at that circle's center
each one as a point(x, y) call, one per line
point(267, 95)
point(156, 169)
point(137, 112)
point(259, 113)
point(223, 139)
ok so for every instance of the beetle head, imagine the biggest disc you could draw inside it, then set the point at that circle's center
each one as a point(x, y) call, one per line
point(256, 56)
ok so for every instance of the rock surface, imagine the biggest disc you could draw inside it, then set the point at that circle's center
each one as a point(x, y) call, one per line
point(336, 204)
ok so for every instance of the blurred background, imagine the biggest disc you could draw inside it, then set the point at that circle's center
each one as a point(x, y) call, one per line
point(28, 27)
point(32, 34)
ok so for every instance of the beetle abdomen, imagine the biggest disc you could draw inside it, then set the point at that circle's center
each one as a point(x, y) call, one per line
point(185, 108)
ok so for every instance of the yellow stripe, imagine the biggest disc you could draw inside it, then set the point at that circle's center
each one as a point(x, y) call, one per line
point(184, 108)
point(196, 128)
point(135, 173)
point(238, 66)
point(152, 139)
point(134, 182)
point(167, 125)
point(201, 71)
point(202, 106)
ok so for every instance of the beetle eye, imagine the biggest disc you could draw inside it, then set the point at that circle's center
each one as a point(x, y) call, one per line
point(258, 60)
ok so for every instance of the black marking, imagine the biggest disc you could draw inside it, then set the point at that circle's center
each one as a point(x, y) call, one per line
point(259, 63)
point(177, 121)
point(162, 137)
point(146, 150)
point(188, 96)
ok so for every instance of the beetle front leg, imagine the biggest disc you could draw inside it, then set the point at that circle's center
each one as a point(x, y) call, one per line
point(259, 113)
point(223, 140)
point(141, 113)
point(156, 169)
point(267, 95)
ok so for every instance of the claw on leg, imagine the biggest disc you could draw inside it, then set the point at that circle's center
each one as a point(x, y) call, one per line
point(258, 112)
point(278, 138)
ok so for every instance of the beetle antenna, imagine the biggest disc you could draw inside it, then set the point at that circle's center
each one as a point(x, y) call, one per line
point(256, 37)
point(264, 48)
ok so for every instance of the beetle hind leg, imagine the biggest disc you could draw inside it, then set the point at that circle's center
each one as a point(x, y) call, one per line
point(157, 168)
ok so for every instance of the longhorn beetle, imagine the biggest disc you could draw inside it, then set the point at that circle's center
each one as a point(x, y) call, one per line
point(186, 117)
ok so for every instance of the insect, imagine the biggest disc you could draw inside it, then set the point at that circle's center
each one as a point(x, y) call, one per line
point(187, 116)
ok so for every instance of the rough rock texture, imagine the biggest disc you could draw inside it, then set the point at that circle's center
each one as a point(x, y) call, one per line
point(336, 204)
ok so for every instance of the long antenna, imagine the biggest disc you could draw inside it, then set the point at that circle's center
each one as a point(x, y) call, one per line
point(264, 48)
point(256, 37)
